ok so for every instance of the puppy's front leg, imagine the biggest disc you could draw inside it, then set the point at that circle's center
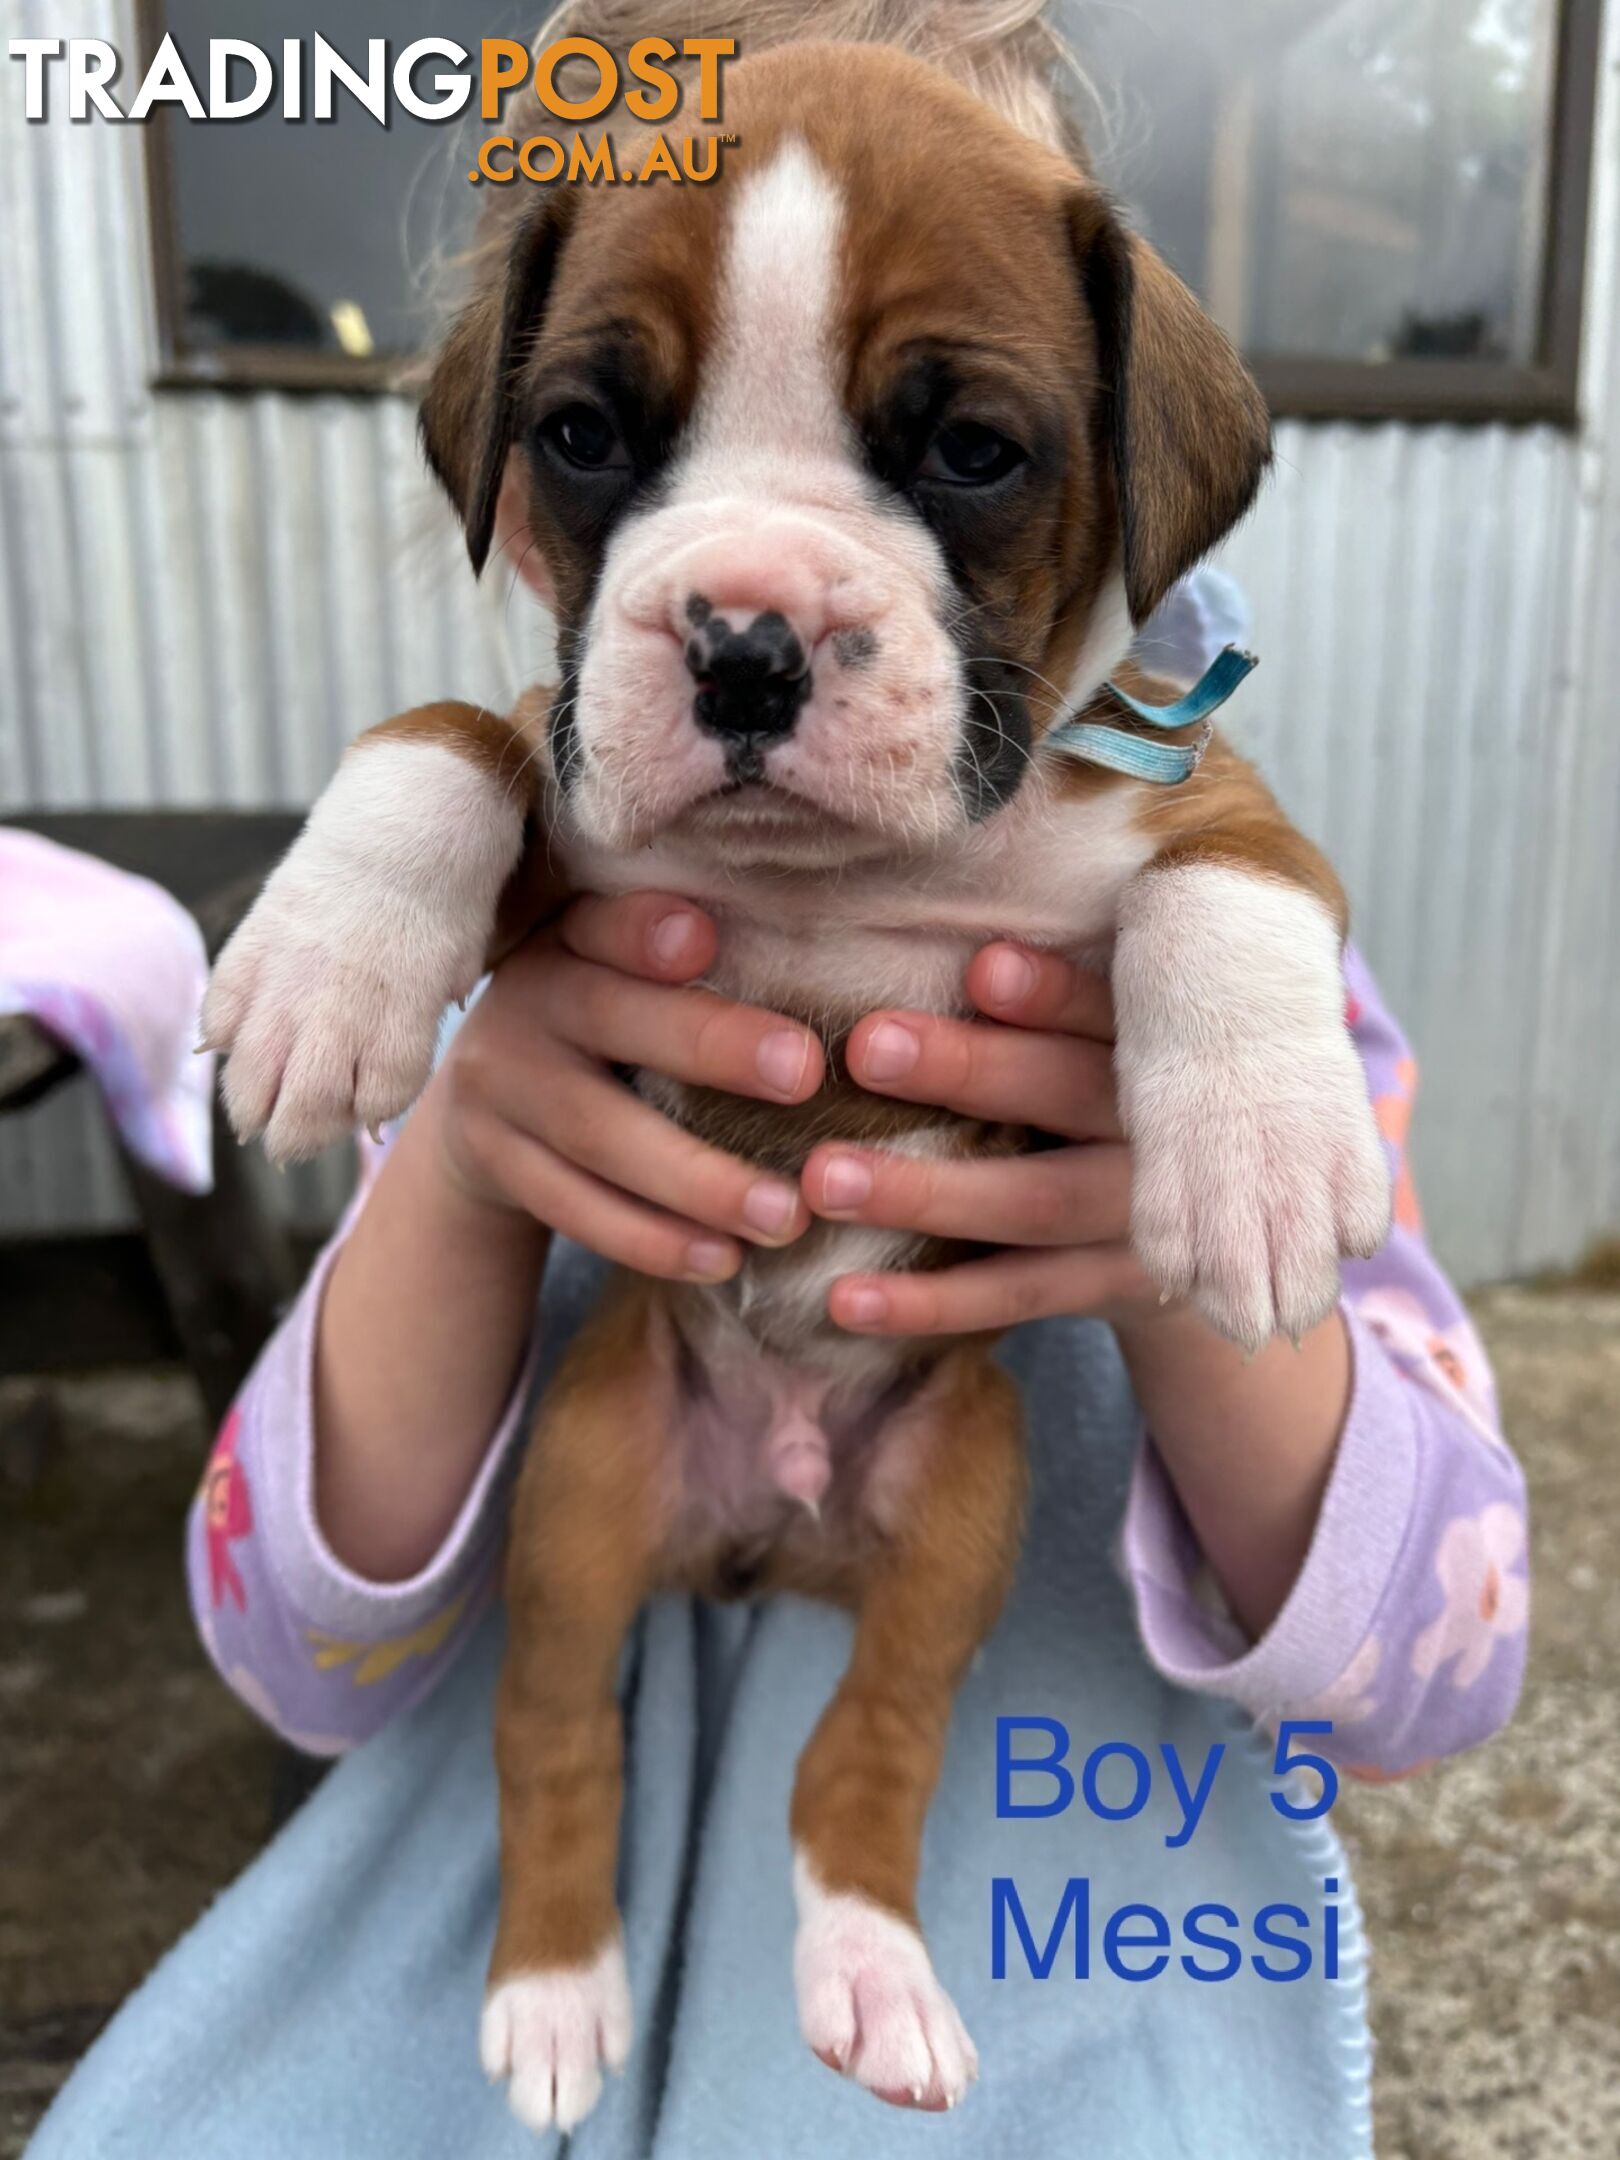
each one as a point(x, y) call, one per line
point(869, 2003)
point(590, 1519)
point(1257, 1161)
point(328, 998)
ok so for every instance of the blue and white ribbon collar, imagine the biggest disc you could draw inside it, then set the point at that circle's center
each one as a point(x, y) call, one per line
point(1165, 764)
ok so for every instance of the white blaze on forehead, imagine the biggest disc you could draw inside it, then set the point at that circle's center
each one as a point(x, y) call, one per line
point(770, 382)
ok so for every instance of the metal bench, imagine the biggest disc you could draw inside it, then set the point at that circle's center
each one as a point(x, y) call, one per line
point(222, 1267)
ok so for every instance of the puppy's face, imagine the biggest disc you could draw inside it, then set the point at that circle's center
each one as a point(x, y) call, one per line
point(829, 463)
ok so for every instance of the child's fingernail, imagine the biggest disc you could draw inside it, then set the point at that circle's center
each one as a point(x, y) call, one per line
point(781, 1059)
point(1012, 978)
point(864, 1307)
point(768, 1207)
point(846, 1182)
point(709, 1259)
point(891, 1051)
point(672, 936)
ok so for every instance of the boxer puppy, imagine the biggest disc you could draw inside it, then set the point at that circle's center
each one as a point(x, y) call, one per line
point(852, 475)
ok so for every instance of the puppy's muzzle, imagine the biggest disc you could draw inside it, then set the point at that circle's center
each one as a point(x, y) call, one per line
point(752, 682)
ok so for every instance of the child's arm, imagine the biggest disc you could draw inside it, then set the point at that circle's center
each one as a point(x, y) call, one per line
point(1406, 1622)
point(1351, 1500)
point(347, 1534)
point(325, 1651)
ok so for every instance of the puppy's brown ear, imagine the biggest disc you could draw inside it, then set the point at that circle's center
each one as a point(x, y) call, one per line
point(469, 409)
point(1187, 433)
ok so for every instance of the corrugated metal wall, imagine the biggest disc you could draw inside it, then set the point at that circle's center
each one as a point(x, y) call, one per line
point(203, 596)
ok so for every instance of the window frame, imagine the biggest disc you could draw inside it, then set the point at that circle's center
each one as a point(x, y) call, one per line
point(1463, 392)
point(240, 367)
point(1479, 391)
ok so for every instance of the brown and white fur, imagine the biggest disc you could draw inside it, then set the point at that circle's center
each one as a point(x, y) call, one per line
point(885, 259)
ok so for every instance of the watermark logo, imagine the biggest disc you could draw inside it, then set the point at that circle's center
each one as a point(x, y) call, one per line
point(651, 94)
point(578, 83)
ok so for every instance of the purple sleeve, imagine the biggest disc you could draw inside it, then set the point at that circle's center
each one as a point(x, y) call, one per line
point(318, 1652)
point(1407, 1624)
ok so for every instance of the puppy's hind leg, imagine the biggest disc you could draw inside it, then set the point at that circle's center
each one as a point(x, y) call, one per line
point(589, 1523)
point(869, 2003)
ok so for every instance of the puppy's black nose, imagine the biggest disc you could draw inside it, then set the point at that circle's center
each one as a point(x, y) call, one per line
point(751, 681)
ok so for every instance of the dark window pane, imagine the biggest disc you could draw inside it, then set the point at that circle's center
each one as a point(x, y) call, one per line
point(319, 235)
point(1355, 180)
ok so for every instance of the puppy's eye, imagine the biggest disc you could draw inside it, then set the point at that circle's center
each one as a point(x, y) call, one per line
point(969, 454)
point(585, 438)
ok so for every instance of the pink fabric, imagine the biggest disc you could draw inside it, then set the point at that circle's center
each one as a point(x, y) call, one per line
point(114, 968)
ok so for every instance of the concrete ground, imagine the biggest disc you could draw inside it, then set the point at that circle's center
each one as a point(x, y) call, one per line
point(132, 1787)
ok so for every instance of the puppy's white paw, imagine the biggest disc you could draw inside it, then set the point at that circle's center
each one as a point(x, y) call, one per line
point(1245, 1199)
point(327, 1000)
point(322, 1036)
point(1256, 1161)
point(551, 2034)
point(869, 2004)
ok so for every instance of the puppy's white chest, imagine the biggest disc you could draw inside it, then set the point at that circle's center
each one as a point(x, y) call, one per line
point(845, 940)
point(833, 969)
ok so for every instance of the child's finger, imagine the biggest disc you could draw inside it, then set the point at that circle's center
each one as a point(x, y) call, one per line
point(599, 1216)
point(1040, 990)
point(1056, 1083)
point(654, 935)
point(999, 1292)
point(572, 1106)
point(1067, 1196)
point(686, 1033)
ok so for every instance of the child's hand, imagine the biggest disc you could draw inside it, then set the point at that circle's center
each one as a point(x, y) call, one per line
point(1248, 1442)
point(1050, 1066)
point(531, 1116)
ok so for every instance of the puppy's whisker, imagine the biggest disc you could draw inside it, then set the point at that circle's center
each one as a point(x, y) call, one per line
point(1045, 681)
point(517, 579)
